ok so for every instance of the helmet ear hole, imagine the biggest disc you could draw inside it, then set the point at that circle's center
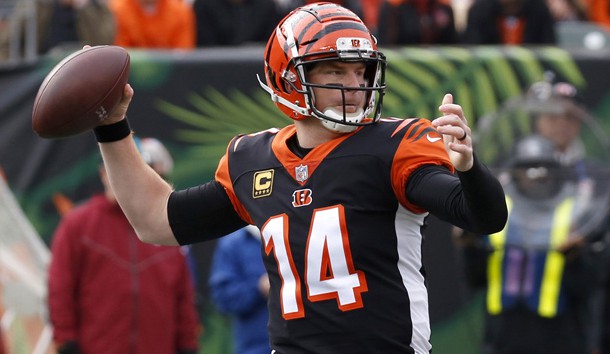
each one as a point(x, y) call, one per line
point(287, 87)
point(271, 80)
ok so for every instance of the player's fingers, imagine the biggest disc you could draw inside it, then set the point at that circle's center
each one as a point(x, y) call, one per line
point(448, 107)
point(126, 99)
point(447, 99)
point(128, 91)
point(120, 111)
point(449, 119)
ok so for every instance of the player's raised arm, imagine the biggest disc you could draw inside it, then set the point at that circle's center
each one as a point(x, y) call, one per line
point(74, 99)
point(140, 191)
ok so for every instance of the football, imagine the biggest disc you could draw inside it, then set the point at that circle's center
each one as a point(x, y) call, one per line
point(80, 91)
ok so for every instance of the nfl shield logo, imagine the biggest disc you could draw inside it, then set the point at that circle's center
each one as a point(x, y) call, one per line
point(301, 173)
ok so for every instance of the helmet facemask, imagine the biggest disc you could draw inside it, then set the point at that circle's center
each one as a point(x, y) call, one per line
point(374, 87)
point(340, 120)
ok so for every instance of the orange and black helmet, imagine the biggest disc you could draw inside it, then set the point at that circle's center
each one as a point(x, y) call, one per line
point(311, 34)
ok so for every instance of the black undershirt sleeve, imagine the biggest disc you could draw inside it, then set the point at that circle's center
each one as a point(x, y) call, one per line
point(473, 200)
point(202, 213)
point(476, 204)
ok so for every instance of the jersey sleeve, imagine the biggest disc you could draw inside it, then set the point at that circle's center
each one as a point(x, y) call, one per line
point(421, 145)
point(223, 176)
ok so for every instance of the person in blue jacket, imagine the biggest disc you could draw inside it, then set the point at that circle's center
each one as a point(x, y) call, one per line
point(239, 287)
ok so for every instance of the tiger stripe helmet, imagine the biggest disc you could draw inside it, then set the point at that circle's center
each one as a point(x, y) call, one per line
point(314, 33)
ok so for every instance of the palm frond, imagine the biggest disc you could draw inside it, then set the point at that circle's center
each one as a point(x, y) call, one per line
point(482, 79)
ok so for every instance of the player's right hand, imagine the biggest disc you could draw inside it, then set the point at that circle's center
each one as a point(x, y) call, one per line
point(120, 111)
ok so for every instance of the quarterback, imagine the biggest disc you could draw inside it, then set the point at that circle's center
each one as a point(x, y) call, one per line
point(340, 196)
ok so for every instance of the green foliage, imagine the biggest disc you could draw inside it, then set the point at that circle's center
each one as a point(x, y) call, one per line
point(481, 79)
point(215, 119)
point(150, 70)
point(217, 336)
point(37, 203)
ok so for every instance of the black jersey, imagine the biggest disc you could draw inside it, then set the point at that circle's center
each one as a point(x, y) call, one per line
point(341, 243)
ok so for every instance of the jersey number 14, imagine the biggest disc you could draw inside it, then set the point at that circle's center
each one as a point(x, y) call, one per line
point(329, 269)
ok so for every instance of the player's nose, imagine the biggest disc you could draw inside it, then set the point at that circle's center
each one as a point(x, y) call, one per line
point(354, 79)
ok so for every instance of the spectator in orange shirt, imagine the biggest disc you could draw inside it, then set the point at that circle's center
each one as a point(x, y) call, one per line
point(599, 12)
point(154, 24)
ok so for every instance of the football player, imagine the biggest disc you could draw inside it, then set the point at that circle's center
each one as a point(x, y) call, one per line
point(340, 196)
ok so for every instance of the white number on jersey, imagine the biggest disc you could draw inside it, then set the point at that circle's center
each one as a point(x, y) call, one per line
point(329, 269)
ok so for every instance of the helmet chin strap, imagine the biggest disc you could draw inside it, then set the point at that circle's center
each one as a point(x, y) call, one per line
point(276, 98)
point(336, 127)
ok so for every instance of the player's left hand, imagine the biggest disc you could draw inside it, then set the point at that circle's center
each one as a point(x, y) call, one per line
point(457, 136)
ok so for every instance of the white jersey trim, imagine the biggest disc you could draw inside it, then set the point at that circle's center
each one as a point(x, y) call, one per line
point(409, 245)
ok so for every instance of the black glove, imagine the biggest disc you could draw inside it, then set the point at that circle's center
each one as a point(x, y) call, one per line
point(69, 347)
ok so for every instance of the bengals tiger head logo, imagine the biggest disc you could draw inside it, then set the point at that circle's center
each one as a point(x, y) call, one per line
point(301, 197)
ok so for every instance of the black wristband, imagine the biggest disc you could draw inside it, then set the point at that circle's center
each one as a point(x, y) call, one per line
point(112, 132)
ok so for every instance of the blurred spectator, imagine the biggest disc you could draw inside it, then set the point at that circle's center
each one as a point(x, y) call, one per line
point(2, 349)
point(568, 10)
point(370, 13)
point(416, 22)
point(239, 287)
point(540, 275)
point(75, 21)
point(558, 115)
point(460, 12)
point(111, 293)
point(541, 278)
point(368, 10)
point(235, 22)
point(509, 22)
point(599, 12)
point(154, 24)
point(59, 22)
